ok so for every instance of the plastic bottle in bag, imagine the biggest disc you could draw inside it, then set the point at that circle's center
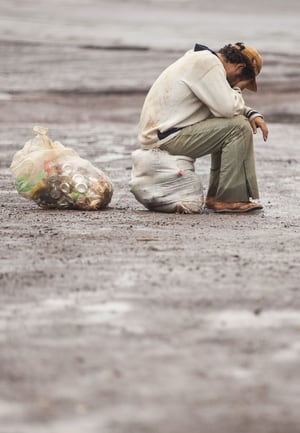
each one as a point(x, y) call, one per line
point(55, 176)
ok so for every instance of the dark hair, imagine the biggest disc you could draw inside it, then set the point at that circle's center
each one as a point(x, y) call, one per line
point(234, 54)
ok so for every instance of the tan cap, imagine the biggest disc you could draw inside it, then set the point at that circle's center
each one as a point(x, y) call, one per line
point(256, 61)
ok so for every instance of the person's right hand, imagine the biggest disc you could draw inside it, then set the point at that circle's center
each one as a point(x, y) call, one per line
point(259, 122)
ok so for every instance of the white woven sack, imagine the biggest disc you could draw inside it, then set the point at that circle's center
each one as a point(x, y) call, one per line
point(166, 183)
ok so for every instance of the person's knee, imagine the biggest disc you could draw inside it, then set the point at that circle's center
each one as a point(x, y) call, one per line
point(242, 126)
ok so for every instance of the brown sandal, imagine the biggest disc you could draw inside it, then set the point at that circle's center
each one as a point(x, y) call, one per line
point(233, 206)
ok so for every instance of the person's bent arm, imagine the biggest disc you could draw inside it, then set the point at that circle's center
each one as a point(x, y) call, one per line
point(214, 91)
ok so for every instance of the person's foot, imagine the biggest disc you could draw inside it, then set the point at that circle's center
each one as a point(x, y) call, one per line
point(232, 206)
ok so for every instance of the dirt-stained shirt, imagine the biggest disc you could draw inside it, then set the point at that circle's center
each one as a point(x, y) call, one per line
point(190, 90)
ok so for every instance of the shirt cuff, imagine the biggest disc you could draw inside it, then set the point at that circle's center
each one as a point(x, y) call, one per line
point(252, 114)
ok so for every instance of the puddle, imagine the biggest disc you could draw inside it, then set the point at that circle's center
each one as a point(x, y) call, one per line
point(103, 313)
point(232, 319)
point(79, 311)
point(288, 354)
point(5, 97)
point(62, 311)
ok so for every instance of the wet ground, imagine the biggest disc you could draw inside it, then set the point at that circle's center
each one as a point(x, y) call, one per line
point(123, 320)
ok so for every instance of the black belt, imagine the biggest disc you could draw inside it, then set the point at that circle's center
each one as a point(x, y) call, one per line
point(162, 135)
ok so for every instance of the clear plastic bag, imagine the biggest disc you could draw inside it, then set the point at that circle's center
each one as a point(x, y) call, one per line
point(166, 183)
point(55, 176)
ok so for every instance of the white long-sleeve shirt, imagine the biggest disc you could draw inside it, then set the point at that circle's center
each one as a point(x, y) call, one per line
point(190, 90)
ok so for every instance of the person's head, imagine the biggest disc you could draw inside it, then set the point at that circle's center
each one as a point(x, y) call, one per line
point(243, 62)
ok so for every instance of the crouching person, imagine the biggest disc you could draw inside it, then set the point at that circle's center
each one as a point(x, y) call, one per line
point(196, 107)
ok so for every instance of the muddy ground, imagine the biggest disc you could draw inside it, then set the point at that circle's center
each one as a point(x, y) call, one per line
point(124, 320)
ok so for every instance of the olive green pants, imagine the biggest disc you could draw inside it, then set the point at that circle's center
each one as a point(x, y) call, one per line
point(230, 143)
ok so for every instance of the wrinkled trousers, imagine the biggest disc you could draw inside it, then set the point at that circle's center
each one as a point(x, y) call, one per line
point(230, 143)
